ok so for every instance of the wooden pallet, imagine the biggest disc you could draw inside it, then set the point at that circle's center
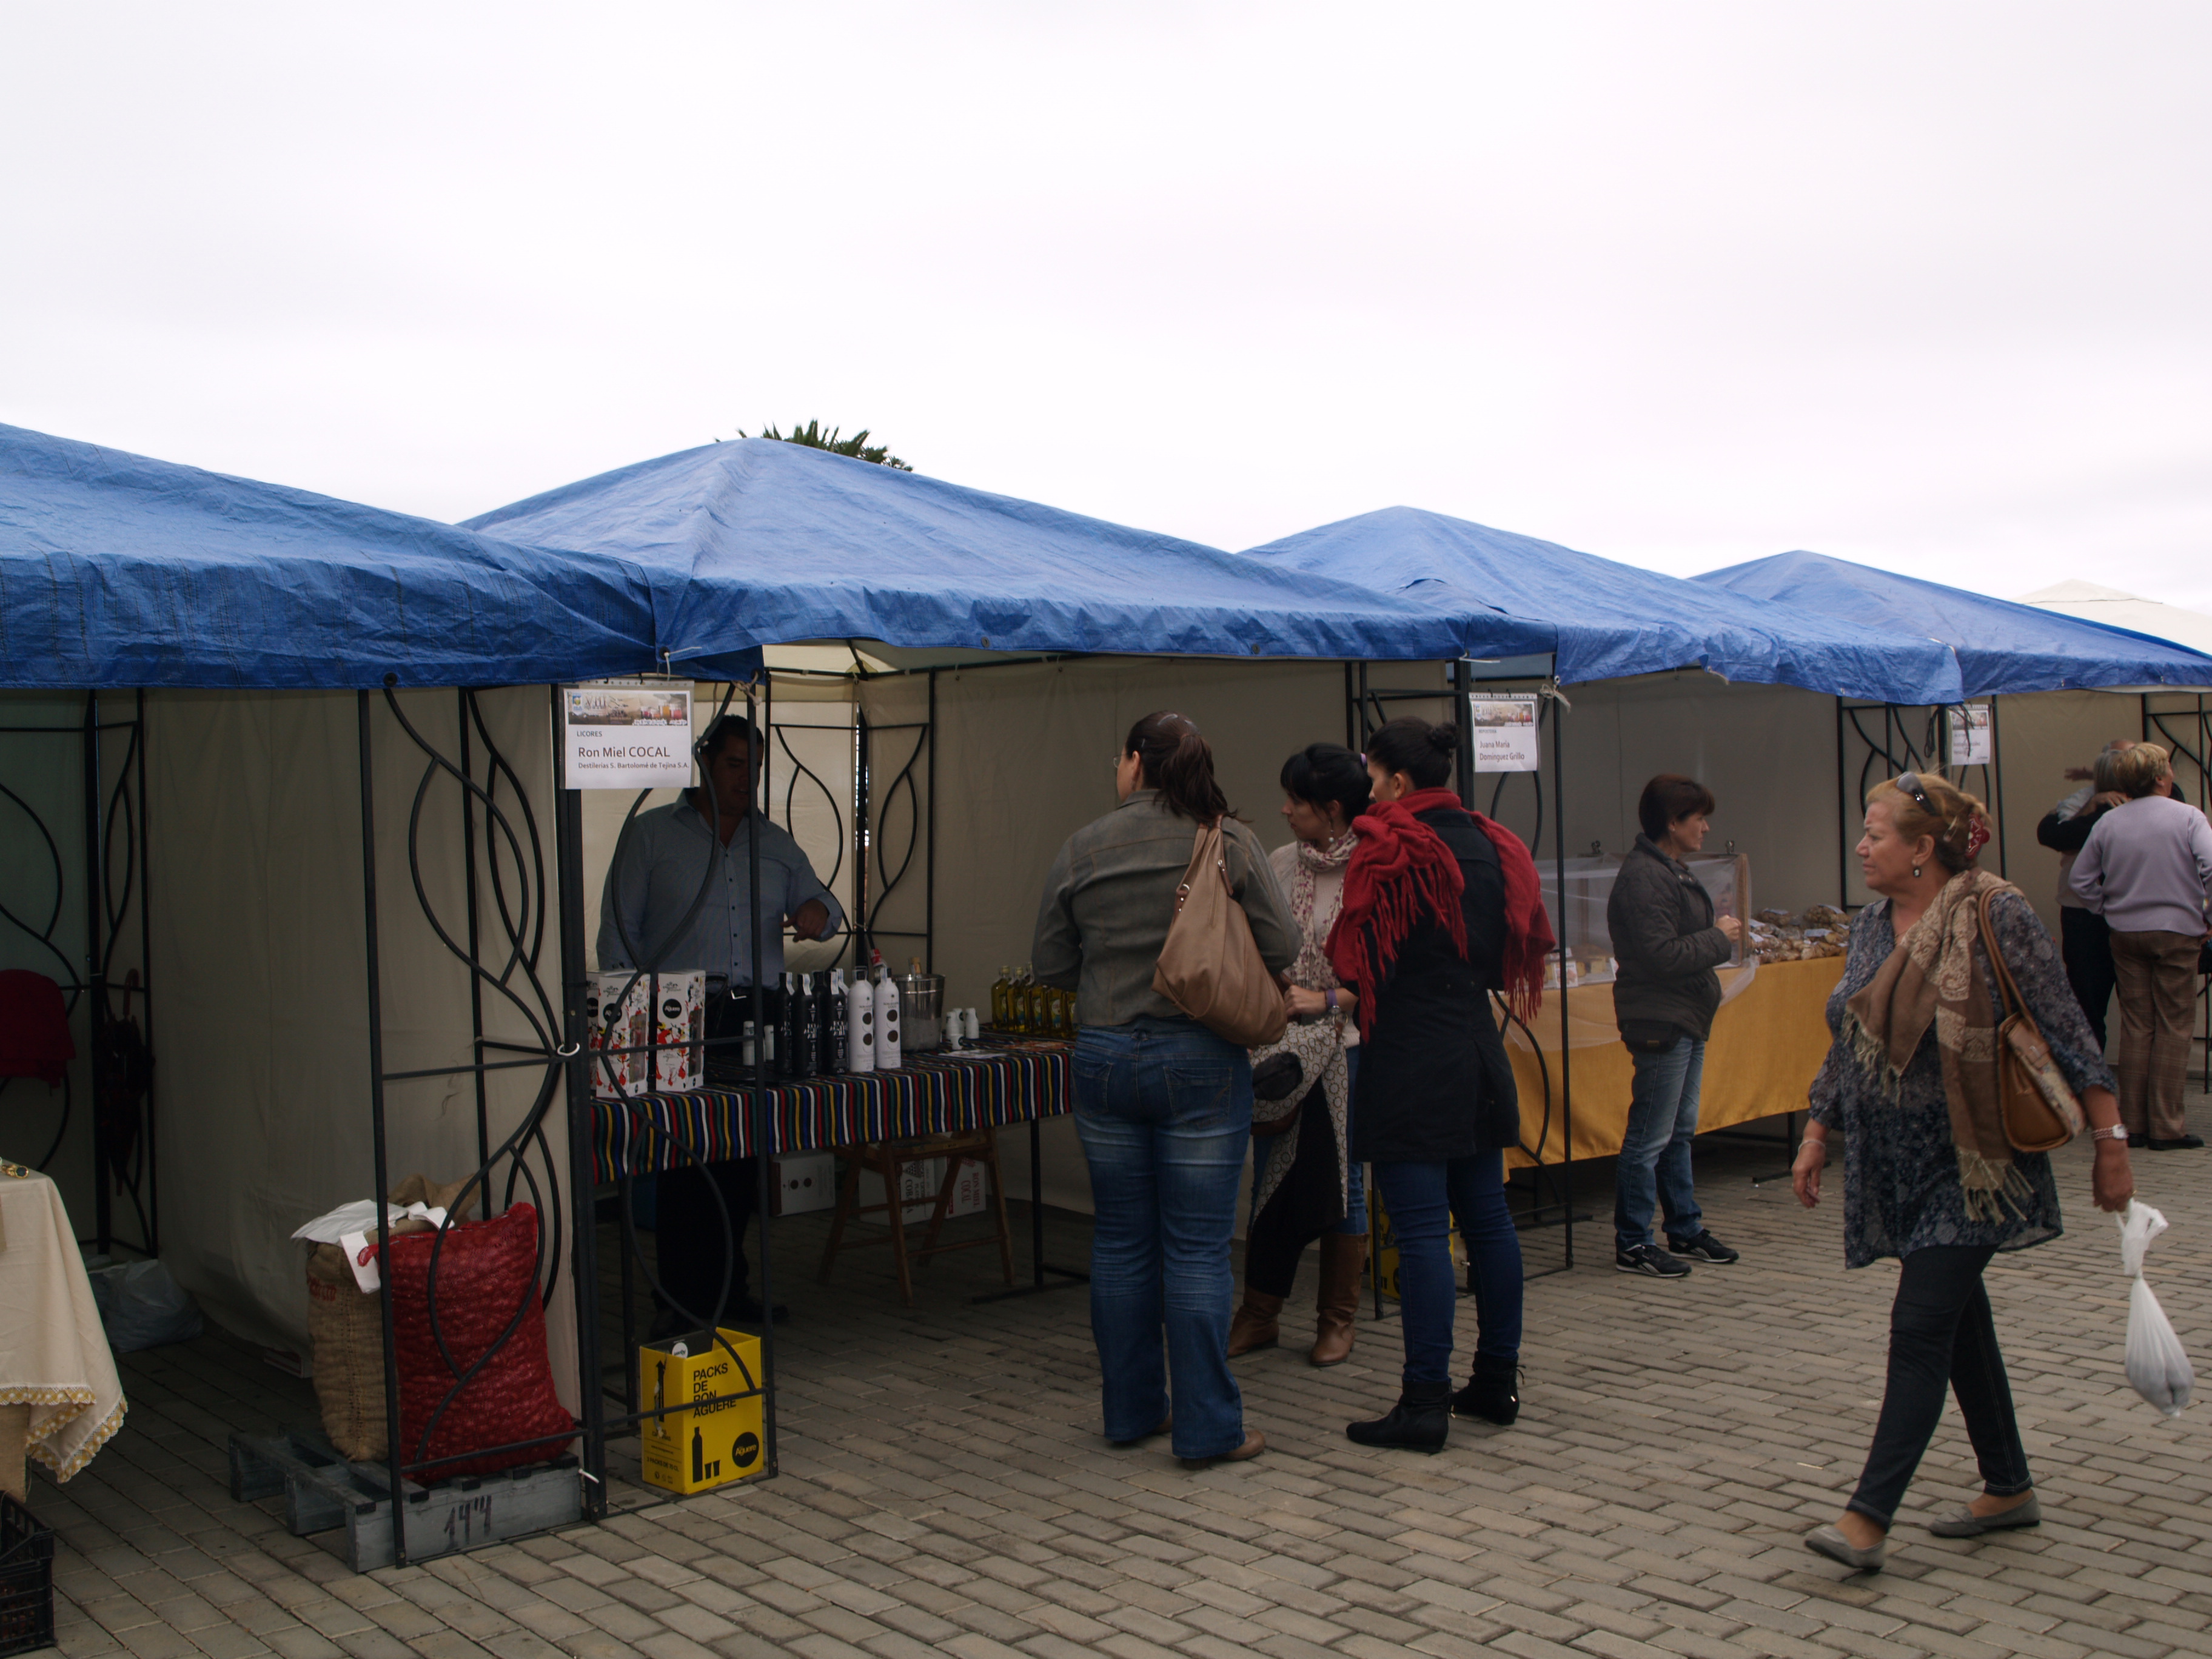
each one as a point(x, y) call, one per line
point(322, 1491)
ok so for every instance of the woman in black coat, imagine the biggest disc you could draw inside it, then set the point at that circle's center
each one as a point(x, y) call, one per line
point(1440, 910)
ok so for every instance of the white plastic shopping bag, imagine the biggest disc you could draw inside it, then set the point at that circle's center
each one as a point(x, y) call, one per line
point(349, 1226)
point(2158, 1370)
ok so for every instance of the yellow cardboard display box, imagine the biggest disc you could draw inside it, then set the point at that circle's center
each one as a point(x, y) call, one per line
point(692, 1449)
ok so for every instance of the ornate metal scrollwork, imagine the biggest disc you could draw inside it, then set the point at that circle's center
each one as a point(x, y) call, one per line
point(514, 868)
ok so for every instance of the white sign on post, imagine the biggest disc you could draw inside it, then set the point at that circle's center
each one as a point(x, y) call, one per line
point(626, 734)
point(1971, 743)
point(1506, 737)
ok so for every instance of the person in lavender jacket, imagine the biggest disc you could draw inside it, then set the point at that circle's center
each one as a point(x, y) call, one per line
point(2147, 869)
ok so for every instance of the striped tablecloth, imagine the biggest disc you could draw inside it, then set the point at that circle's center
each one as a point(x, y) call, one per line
point(925, 1096)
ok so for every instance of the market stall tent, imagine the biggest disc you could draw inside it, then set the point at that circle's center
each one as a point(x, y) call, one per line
point(215, 638)
point(1608, 620)
point(1022, 641)
point(759, 543)
point(2114, 608)
point(2001, 647)
point(120, 571)
point(2060, 688)
point(764, 544)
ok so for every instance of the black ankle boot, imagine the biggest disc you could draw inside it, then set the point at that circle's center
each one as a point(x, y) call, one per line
point(1494, 1394)
point(1418, 1422)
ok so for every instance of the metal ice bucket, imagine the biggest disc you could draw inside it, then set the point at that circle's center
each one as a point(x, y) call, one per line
point(921, 1012)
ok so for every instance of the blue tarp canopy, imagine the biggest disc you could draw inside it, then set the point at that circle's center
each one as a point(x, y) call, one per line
point(119, 571)
point(1607, 620)
point(758, 543)
point(2000, 647)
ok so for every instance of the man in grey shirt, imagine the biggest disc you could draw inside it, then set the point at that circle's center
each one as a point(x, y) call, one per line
point(655, 882)
point(668, 854)
point(2147, 869)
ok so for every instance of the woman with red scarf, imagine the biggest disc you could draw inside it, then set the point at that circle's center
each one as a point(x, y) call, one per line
point(1441, 908)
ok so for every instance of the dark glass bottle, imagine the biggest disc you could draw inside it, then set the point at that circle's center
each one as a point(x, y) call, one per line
point(805, 1027)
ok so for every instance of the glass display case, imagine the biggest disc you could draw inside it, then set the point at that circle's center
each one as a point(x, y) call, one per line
point(1586, 955)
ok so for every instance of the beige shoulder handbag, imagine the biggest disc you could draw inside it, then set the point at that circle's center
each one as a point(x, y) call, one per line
point(1210, 967)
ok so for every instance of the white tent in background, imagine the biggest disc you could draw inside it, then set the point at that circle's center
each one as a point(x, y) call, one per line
point(2114, 609)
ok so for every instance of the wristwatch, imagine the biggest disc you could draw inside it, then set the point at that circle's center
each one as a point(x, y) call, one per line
point(2117, 1132)
point(1332, 998)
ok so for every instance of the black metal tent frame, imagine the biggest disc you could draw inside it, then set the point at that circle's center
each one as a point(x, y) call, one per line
point(115, 886)
point(502, 942)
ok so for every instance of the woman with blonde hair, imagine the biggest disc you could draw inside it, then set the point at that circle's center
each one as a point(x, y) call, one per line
point(1930, 1174)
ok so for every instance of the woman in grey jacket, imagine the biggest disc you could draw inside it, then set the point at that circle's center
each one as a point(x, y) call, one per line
point(1163, 1106)
point(1669, 942)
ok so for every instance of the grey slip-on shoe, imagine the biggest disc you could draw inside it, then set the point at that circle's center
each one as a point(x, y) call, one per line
point(1830, 1542)
point(1966, 1524)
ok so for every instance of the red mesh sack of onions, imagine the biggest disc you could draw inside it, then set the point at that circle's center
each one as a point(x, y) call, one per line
point(487, 1282)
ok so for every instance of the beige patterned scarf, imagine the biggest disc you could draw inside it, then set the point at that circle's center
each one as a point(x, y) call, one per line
point(1318, 1044)
point(1931, 978)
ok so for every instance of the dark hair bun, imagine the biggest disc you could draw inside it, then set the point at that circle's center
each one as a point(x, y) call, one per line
point(1423, 752)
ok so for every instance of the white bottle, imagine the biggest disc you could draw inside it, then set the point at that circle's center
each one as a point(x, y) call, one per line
point(860, 1024)
point(887, 1022)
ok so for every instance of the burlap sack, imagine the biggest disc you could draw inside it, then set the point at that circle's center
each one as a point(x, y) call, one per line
point(346, 1327)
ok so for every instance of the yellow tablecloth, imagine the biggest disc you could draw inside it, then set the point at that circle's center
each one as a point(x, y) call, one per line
point(1767, 1043)
point(53, 1352)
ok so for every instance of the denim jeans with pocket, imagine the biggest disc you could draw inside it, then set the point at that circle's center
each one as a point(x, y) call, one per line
point(1163, 1109)
point(1424, 1200)
point(1655, 1151)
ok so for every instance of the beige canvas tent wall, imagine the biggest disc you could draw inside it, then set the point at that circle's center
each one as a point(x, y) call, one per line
point(1024, 755)
point(259, 969)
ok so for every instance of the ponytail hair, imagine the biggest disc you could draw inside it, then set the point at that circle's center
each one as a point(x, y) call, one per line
point(1423, 752)
point(1179, 763)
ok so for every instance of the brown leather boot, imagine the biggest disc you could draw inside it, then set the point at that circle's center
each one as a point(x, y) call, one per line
point(1253, 1327)
point(1343, 1266)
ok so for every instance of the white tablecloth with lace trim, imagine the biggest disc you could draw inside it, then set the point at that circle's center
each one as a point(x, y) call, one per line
point(53, 1353)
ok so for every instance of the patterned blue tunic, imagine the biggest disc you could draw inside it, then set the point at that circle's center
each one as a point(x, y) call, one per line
point(1901, 1189)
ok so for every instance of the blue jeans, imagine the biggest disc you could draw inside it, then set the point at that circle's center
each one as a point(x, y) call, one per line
point(1423, 1200)
point(1355, 1173)
point(1655, 1151)
point(1163, 1109)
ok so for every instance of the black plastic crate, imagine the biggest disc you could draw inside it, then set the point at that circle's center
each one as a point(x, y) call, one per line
point(26, 1580)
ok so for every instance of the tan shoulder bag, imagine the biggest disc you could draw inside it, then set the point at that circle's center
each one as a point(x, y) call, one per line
point(1210, 967)
point(2040, 1112)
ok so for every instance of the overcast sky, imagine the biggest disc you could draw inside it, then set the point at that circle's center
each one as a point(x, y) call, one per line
point(1922, 285)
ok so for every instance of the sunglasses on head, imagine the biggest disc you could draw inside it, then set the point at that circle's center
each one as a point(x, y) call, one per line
point(1910, 783)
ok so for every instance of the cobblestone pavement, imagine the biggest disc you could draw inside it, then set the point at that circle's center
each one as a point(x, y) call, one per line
point(944, 1488)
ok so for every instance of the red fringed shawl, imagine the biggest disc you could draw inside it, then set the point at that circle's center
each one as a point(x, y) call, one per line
point(1401, 869)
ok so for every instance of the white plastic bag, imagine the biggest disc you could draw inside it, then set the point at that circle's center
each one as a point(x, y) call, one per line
point(2158, 1370)
point(349, 1225)
point(141, 1306)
